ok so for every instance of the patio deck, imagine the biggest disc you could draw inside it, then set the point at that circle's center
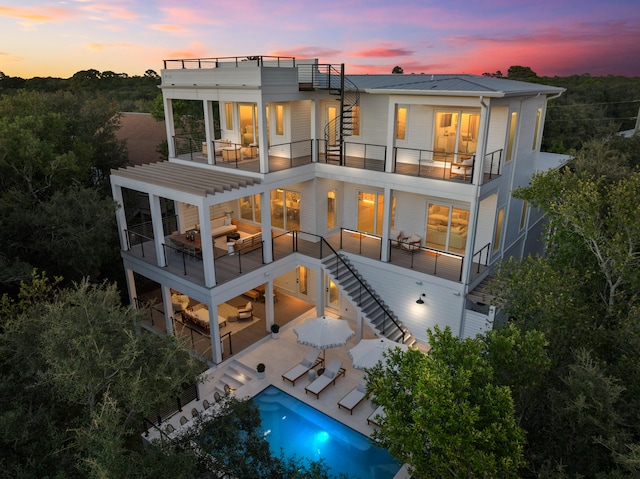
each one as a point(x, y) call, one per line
point(279, 355)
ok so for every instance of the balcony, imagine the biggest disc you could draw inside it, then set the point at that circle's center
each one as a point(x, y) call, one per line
point(365, 156)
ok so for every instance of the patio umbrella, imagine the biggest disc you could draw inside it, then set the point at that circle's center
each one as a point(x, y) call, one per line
point(368, 352)
point(324, 333)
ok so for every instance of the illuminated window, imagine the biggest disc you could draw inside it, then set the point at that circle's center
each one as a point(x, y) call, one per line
point(447, 228)
point(228, 113)
point(523, 215)
point(285, 209)
point(456, 133)
point(280, 119)
point(355, 121)
point(401, 123)
point(370, 212)
point(537, 130)
point(250, 208)
point(512, 135)
point(497, 235)
point(331, 209)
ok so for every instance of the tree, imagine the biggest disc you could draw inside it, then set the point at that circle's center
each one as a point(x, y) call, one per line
point(446, 415)
point(78, 374)
point(583, 296)
point(517, 72)
point(56, 153)
point(397, 70)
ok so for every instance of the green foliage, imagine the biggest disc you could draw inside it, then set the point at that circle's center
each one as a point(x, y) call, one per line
point(78, 373)
point(446, 414)
point(56, 212)
point(581, 419)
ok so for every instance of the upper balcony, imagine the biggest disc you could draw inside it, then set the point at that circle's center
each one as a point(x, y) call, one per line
point(439, 165)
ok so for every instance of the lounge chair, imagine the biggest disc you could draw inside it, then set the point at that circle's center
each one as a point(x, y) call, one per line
point(206, 404)
point(354, 397)
point(333, 371)
point(309, 362)
point(183, 420)
point(228, 389)
point(216, 396)
point(194, 413)
point(377, 416)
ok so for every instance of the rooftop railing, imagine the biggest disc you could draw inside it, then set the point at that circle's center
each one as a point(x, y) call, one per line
point(220, 62)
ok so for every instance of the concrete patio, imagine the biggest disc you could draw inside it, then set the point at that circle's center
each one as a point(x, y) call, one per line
point(279, 355)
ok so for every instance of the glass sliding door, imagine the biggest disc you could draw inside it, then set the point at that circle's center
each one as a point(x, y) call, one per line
point(285, 209)
point(248, 124)
point(456, 134)
point(370, 212)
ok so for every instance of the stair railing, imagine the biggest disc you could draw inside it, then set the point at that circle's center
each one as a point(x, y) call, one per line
point(362, 288)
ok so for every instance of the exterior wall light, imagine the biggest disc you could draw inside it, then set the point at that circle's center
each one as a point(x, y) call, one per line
point(420, 300)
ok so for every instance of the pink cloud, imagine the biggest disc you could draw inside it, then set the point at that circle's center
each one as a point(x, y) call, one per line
point(383, 52)
point(101, 10)
point(35, 14)
point(307, 52)
point(168, 28)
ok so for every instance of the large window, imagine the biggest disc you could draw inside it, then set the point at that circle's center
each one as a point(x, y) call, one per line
point(228, 113)
point(447, 228)
point(331, 210)
point(285, 209)
point(523, 215)
point(279, 119)
point(456, 133)
point(401, 123)
point(370, 212)
point(497, 234)
point(513, 123)
point(250, 208)
point(248, 124)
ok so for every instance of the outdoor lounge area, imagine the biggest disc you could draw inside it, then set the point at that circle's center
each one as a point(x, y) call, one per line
point(280, 356)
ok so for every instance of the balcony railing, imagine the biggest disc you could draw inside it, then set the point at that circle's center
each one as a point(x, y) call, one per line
point(221, 62)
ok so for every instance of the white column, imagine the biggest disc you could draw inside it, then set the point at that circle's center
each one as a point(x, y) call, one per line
point(207, 245)
point(168, 308)
point(158, 230)
point(208, 130)
point(171, 129)
point(214, 328)
point(268, 304)
point(121, 218)
point(391, 136)
point(315, 121)
point(263, 140)
point(265, 218)
point(320, 291)
point(386, 222)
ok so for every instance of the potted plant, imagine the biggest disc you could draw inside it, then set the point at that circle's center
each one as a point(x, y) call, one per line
point(260, 368)
point(275, 331)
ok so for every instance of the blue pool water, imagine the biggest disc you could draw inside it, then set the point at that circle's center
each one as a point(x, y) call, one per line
point(300, 430)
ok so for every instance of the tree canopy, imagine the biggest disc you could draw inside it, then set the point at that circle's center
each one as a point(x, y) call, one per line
point(78, 375)
point(446, 415)
point(583, 296)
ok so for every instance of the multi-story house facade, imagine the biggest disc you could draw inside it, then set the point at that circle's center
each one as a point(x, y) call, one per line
point(382, 198)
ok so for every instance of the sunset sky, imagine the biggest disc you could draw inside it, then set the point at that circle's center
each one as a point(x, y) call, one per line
point(553, 37)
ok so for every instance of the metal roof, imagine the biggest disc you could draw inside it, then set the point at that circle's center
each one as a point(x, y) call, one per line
point(417, 83)
point(185, 178)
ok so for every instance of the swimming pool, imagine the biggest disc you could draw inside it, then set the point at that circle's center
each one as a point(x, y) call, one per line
point(300, 430)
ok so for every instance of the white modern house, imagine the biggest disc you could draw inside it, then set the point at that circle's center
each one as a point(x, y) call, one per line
point(381, 198)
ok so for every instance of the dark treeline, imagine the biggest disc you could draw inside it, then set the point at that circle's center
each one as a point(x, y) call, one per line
point(132, 93)
point(591, 107)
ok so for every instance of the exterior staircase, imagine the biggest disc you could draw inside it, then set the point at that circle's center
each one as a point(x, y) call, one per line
point(384, 322)
point(235, 375)
point(340, 127)
point(332, 78)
